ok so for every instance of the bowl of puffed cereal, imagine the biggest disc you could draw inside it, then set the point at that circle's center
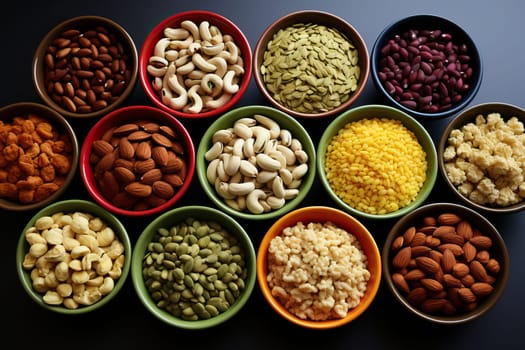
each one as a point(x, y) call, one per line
point(73, 257)
point(481, 154)
point(318, 267)
point(39, 155)
point(377, 162)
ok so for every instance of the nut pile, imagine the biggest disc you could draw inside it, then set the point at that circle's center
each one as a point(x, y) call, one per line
point(195, 269)
point(139, 165)
point(444, 266)
point(74, 258)
point(87, 70)
point(35, 158)
point(195, 67)
point(426, 70)
point(256, 166)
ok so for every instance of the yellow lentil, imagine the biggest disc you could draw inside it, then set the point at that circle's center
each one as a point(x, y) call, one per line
point(375, 165)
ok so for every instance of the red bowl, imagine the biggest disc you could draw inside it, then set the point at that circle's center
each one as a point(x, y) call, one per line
point(126, 115)
point(226, 27)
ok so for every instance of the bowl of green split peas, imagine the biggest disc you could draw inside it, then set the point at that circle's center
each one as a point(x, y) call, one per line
point(194, 267)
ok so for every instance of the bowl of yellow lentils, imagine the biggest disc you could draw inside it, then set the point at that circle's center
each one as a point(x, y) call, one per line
point(377, 162)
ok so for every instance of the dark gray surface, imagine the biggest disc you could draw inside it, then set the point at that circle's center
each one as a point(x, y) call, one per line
point(497, 27)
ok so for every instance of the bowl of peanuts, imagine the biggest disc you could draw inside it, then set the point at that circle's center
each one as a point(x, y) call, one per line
point(85, 66)
point(38, 158)
point(137, 161)
point(194, 267)
point(480, 155)
point(311, 64)
point(427, 66)
point(73, 257)
point(377, 162)
point(256, 162)
point(445, 263)
point(318, 267)
point(195, 64)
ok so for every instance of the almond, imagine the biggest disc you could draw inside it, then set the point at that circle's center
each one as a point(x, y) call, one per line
point(416, 296)
point(143, 150)
point(456, 249)
point(452, 237)
point(108, 184)
point(433, 306)
point(174, 163)
point(148, 126)
point(483, 256)
point(161, 140)
point(419, 239)
point(481, 242)
point(173, 179)
point(125, 163)
point(478, 271)
point(124, 175)
point(450, 219)
point(414, 275)
point(160, 155)
point(150, 176)
point(431, 285)
point(168, 131)
point(408, 235)
point(142, 166)
point(138, 189)
point(105, 164)
point(468, 280)
point(126, 149)
point(101, 147)
point(466, 295)
point(428, 229)
point(464, 229)
point(429, 221)
point(451, 281)
point(154, 201)
point(162, 189)
point(139, 135)
point(481, 289)
point(442, 230)
point(460, 270)
point(428, 265)
point(436, 255)
point(402, 258)
point(124, 200)
point(400, 282)
point(492, 266)
point(420, 250)
point(448, 261)
point(125, 129)
point(432, 242)
point(469, 251)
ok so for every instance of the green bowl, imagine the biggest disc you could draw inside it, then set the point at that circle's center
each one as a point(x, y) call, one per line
point(170, 219)
point(285, 121)
point(71, 206)
point(379, 111)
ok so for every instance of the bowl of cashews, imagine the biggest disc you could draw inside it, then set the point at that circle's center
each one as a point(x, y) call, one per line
point(195, 64)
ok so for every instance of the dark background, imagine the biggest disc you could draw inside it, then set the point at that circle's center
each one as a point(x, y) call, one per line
point(496, 26)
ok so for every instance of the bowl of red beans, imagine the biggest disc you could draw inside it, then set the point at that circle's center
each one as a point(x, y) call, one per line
point(427, 66)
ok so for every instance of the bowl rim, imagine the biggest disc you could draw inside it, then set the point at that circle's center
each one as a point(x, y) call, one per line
point(469, 114)
point(357, 40)
point(213, 17)
point(68, 206)
point(175, 216)
point(62, 123)
point(38, 62)
point(402, 22)
point(345, 221)
point(235, 114)
point(86, 170)
point(411, 124)
point(488, 303)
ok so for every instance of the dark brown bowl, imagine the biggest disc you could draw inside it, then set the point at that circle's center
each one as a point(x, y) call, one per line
point(469, 115)
point(321, 18)
point(398, 239)
point(98, 84)
point(60, 126)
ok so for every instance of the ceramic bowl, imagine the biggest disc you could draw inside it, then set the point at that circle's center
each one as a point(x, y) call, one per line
point(320, 216)
point(471, 274)
point(438, 65)
point(375, 172)
point(223, 71)
point(470, 161)
point(219, 244)
point(35, 123)
point(137, 161)
point(85, 67)
point(259, 200)
point(76, 216)
point(315, 74)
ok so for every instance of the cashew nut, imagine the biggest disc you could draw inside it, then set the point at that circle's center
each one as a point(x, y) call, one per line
point(229, 86)
point(218, 102)
point(176, 33)
point(212, 84)
point(204, 31)
point(196, 106)
point(161, 46)
point(253, 201)
point(192, 28)
point(202, 64)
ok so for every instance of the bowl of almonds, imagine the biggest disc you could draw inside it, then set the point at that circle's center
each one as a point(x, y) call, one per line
point(445, 263)
point(137, 160)
point(38, 156)
point(85, 66)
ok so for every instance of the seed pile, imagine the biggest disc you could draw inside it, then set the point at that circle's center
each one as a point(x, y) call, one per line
point(375, 165)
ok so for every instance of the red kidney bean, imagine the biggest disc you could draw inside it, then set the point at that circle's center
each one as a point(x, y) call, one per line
point(425, 69)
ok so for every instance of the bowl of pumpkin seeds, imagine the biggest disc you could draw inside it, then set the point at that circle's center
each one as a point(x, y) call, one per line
point(311, 64)
point(194, 268)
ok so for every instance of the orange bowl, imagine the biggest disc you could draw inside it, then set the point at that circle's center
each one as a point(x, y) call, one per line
point(343, 220)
